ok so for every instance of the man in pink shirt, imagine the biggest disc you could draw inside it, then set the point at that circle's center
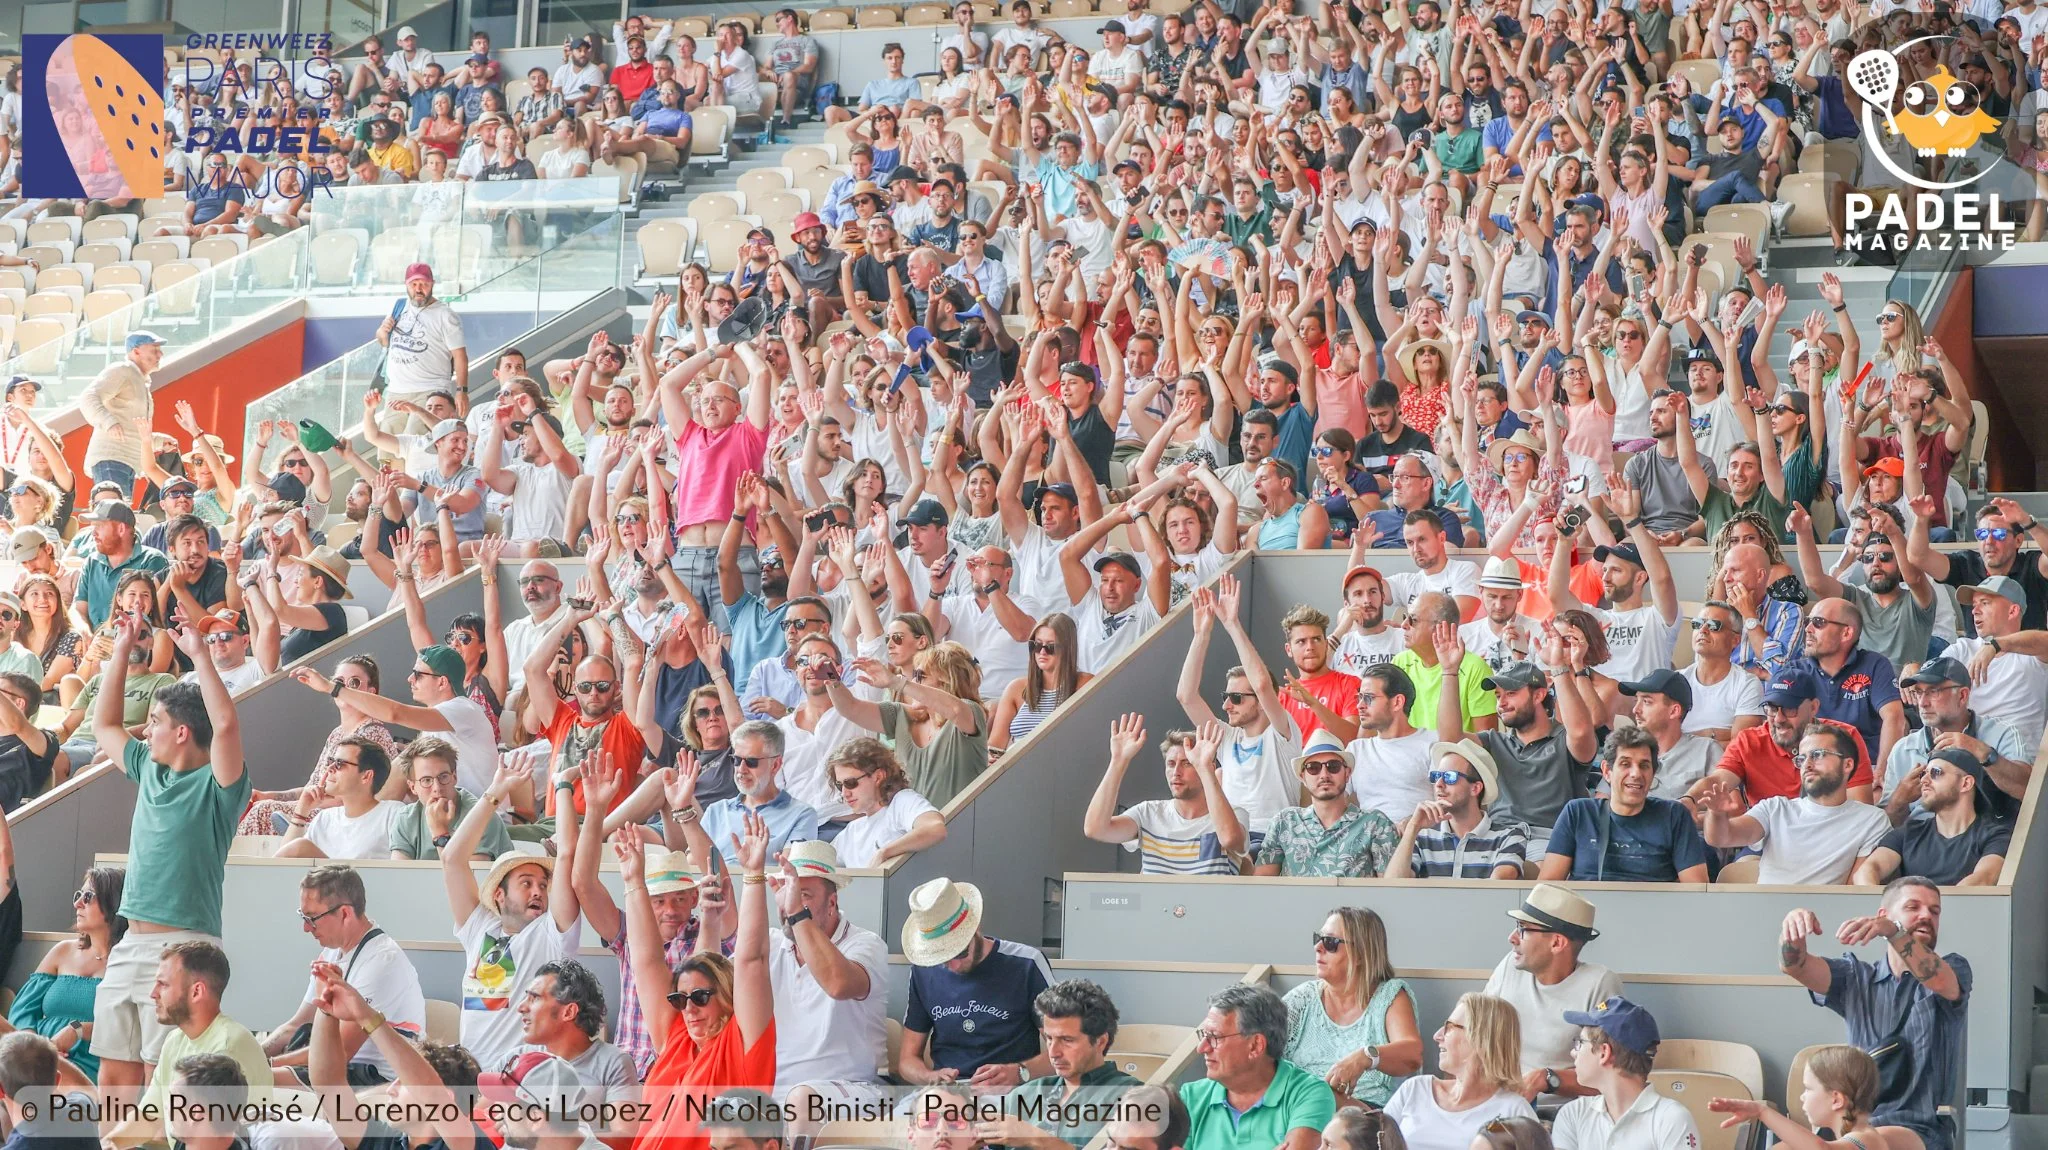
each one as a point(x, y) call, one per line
point(718, 436)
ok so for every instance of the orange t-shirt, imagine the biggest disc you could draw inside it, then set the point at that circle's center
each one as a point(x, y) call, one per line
point(682, 1069)
point(572, 737)
point(1768, 772)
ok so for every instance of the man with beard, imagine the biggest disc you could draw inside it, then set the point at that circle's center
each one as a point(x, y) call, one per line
point(1543, 976)
point(2001, 526)
point(427, 351)
point(1959, 844)
point(1941, 693)
point(1316, 694)
point(1260, 737)
point(1858, 687)
point(597, 724)
point(1502, 634)
point(1821, 836)
point(540, 592)
point(1115, 610)
point(1362, 635)
point(1331, 837)
point(1642, 629)
point(754, 620)
point(189, 984)
point(562, 1014)
point(1542, 758)
point(517, 922)
point(757, 772)
point(1639, 837)
point(1669, 506)
point(1913, 996)
point(988, 621)
point(438, 706)
point(1896, 598)
point(195, 580)
point(672, 884)
point(1663, 699)
point(1763, 760)
point(1195, 831)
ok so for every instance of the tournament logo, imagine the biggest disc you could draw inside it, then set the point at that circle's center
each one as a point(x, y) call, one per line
point(1940, 117)
point(1943, 116)
point(92, 117)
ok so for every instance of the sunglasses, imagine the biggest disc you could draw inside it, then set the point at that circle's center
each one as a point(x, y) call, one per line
point(800, 624)
point(1327, 943)
point(755, 762)
point(519, 426)
point(1236, 698)
point(1449, 778)
point(1038, 648)
point(1710, 626)
point(1322, 451)
point(850, 784)
point(2001, 534)
point(217, 639)
point(700, 997)
point(823, 662)
point(85, 896)
point(1322, 768)
point(1889, 317)
point(598, 685)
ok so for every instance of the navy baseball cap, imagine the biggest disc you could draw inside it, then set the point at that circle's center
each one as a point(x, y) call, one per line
point(1627, 551)
point(1662, 681)
point(1630, 1026)
point(1790, 687)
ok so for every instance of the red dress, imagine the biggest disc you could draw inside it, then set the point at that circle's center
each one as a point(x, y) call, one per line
point(683, 1070)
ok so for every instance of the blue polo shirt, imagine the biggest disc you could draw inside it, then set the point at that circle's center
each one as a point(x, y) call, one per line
point(788, 821)
point(96, 583)
point(756, 635)
point(1294, 1100)
point(1867, 682)
point(1652, 845)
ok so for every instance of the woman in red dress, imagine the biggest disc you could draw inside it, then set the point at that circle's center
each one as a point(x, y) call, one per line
point(716, 1030)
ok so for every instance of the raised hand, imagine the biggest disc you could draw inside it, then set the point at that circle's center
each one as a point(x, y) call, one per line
point(752, 849)
point(1739, 1110)
point(1725, 798)
point(188, 422)
point(603, 781)
point(1450, 648)
point(1228, 594)
point(1126, 737)
point(631, 855)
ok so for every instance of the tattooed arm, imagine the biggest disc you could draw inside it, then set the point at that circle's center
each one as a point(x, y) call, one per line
point(1809, 971)
point(1914, 955)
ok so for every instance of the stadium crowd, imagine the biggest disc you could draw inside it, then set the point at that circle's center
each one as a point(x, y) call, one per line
point(858, 516)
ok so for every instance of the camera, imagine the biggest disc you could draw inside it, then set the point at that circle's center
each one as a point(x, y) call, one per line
point(1570, 520)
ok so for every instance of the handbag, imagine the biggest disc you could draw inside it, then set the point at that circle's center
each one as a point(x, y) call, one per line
point(1895, 1064)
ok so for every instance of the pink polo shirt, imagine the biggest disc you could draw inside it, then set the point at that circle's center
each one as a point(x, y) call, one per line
point(708, 466)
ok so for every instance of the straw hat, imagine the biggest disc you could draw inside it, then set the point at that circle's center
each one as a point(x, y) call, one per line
point(521, 854)
point(219, 446)
point(1552, 907)
point(669, 872)
point(944, 915)
point(1407, 356)
point(1523, 438)
point(328, 562)
point(1481, 761)
point(816, 858)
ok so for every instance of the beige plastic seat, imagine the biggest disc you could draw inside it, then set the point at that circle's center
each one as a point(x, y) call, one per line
point(1735, 1059)
point(100, 254)
point(722, 240)
point(108, 228)
point(1070, 9)
point(107, 315)
point(1808, 193)
point(759, 180)
point(1694, 1089)
point(119, 274)
point(49, 303)
point(216, 249)
point(926, 15)
point(665, 245)
point(1701, 73)
point(62, 277)
point(517, 90)
point(49, 255)
point(1720, 256)
point(63, 229)
point(1742, 871)
point(818, 182)
point(715, 206)
point(1750, 220)
point(627, 168)
point(1141, 1048)
point(444, 1021)
point(831, 19)
point(877, 18)
point(40, 344)
point(712, 127)
point(176, 287)
point(334, 258)
point(1795, 1083)
point(155, 252)
point(804, 157)
point(778, 205)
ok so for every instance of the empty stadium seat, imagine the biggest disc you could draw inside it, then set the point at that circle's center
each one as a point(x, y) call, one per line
point(627, 168)
point(273, 266)
point(925, 15)
point(100, 253)
point(1141, 1048)
point(696, 26)
point(716, 206)
point(831, 19)
point(40, 343)
point(1693, 1089)
point(50, 303)
point(119, 274)
point(66, 275)
point(712, 129)
point(777, 206)
point(334, 258)
point(156, 252)
point(804, 157)
point(175, 285)
point(1751, 220)
point(49, 254)
point(57, 230)
point(818, 183)
point(444, 1021)
point(665, 245)
point(218, 249)
point(877, 18)
point(760, 180)
point(1702, 74)
point(1734, 1059)
point(722, 240)
point(109, 228)
point(1807, 192)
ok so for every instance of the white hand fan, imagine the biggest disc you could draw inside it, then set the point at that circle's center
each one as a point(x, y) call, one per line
point(1874, 77)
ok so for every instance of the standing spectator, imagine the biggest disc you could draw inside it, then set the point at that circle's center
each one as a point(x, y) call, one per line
point(1543, 976)
point(1821, 836)
point(427, 349)
point(970, 1018)
point(717, 437)
point(191, 787)
point(793, 61)
point(1195, 831)
point(1241, 1039)
point(119, 405)
point(1255, 758)
point(1613, 1055)
point(829, 984)
point(1911, 1003)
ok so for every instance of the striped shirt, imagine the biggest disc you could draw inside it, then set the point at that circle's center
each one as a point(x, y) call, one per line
point(1440, 853)
point(1171, 843)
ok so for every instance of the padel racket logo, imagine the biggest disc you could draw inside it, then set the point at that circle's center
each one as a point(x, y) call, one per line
point(93, 117)
point(1940, 116)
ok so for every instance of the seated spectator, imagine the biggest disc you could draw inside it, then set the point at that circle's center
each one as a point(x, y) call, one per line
point(438, 806)
point(56, 1002)
point(1821, 836)
point(893, 90)
point(1260, 743)
point(1393, 756)
point(29, 755)
point(1663, 708)
point(1840, 1091)
point(1857, 686)
point(1763, 760)
point(1353, 1025)
point(1613, 1055)
point(792, 65)
point(266, 814)
point(437, 709)
point(758, 748)
point(442, 1078)
point(1077, 1021)
point(891, 820)
point(1453, 835)
point(291, 623)
point(335, 910)
point(356, 824)
point(1241, 1038)
point(1913, 996)
point(1195, 831)
point(595, 720)
point(1476, 1048)
point(191, 979)
point(996, 1047)
point(561, 1016)
point(36, 1084)
point(1941, 693)
point(1957, 842)
point(940, 726)
point(541, 108)
point(1542, 977)
point(1332, 837)
point(570, 157)
point(1629, 835)
point(1543, 757)
point(662, 134)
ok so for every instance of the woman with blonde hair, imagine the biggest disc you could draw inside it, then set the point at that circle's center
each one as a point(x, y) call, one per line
point(1512, 1134)
point(1050, 679)
point(1354, 1023)
point(939, 728)
point(1840, 1092)
point(1480, 1050)
point(1899, 336)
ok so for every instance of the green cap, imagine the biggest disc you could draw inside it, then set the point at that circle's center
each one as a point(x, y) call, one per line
point(443, 661)
point(314, 437)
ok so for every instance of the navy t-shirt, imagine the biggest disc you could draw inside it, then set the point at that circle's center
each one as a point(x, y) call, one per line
point(982, 1016)
point(673, 685)
point(1923, 851)
point(1652, 846)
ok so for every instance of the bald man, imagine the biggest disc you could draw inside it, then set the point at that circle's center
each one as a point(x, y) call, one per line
point(1770, 627)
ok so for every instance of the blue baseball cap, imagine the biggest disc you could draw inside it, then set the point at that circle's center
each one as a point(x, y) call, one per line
point(144, 339)
point(1790, 687)
point(1629, 1025)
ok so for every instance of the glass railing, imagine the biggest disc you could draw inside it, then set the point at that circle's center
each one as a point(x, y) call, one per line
point(357, 240)
point(1920, 276)
point(586, 257)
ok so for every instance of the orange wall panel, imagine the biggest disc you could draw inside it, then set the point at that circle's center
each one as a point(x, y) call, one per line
point(220, 392)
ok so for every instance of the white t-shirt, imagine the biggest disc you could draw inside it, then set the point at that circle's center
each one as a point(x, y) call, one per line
point(1652, 1122)
point(819, 1038)
point(1638, 641)
point(341, 837)
point(1391, 776)
point(1037, 559)
point(236, 680)
point(979, 629)
point(1034, 39)
point(743, 87)
point(422, 351)
point(1716, 430)
point(476, 743)
point(803, 761)
point(495, 971)
point(1546, 1037)
point(1456, 578)
point(521, 637)
point(2014, 690)
point(540, 502)
point(388, 982)
point(1427, 1126)
point(1479, 637)
point(1258, 775)
point(1358, 650)
point(1116, 68)
point(1103, 638)
point(1806, 843)
point(574, 83)
point(1715, 707)
point(864, 837)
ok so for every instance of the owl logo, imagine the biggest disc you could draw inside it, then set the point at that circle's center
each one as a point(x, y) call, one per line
point(1942, 116)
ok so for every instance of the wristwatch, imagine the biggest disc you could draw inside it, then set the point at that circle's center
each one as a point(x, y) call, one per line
point(334, 691)
point(1552, 1082)
point(803, 915)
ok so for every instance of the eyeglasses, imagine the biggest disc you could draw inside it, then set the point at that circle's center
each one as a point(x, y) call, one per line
point(438, 779)
point(1039, 648)
point(755, 762)
point(338, 761)
point(310, 919)
point(1327, 943)
point(461, 639)
point(1450, 778)
point(536, 580)
point(356, 684)
point(701, 997)
point(1818, 621)
point(1934, 772)
point(1518, 932)
point(1323, 767)
point(2001, 534)
point(1516, 457)
point(1805, 757)
point(1212, 1038)
point(705, 713)
point(850, 784)
point(598, 686)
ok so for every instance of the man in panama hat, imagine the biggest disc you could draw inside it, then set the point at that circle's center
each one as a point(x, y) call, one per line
point(1543, 977)
point(970, 1015)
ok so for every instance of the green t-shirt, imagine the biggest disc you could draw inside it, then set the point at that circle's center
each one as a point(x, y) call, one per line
point(224, 1036)
point(135, 698)
point(409, 830)
point(178, 842)
point(1293, 1101)
point(1462, 152)
point(1719, 507)
point(1474, 701)
point(1802, 478)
